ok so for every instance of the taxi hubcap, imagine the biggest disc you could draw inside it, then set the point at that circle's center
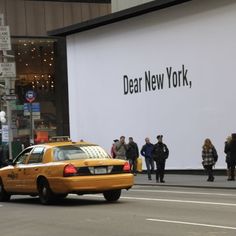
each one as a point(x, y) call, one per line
point(44, 191)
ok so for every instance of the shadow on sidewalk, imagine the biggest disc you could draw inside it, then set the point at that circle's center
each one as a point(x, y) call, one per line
point(186, 180)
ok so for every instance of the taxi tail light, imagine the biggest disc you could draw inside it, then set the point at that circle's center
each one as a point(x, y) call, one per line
point(126, 167)
point(69, 170)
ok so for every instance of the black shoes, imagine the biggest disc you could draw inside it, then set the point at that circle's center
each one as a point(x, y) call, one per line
point(210, 179)
point(233, 179)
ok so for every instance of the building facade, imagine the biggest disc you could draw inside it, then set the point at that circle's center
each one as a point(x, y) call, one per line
point(118, 5)
point(40, 60)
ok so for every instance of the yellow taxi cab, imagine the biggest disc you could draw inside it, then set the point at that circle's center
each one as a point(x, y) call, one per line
point(54, 170)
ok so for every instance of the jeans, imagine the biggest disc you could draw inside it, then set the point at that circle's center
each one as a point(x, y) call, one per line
point(133, 165)
point(150, 166)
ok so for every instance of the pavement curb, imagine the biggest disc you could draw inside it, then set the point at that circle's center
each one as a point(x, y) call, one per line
point(183, 186)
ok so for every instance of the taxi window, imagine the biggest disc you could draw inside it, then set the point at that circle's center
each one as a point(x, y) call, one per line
point(21, 159)
point(37, 155)
point(76, 152)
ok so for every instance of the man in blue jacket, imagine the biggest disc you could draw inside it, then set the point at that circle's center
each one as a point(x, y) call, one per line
point(146, 151)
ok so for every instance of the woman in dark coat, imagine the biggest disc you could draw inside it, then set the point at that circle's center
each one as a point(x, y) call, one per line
point(230, 148)
point(209, 158)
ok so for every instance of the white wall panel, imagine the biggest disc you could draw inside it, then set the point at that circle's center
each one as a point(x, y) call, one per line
point(198, 38)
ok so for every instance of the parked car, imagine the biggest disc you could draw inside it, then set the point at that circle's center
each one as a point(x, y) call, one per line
point(54, 170)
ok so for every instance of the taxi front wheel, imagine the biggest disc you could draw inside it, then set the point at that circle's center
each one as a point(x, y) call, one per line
point(4, 196)
point(45, 193)
point(112, 195)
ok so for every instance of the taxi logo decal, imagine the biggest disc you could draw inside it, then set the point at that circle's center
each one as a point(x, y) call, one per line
point(12, 175)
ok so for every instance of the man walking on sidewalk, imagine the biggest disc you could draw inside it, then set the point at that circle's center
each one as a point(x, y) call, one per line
point(146, 151)
point(132, 154)
point(160, 153)
point(121, 148)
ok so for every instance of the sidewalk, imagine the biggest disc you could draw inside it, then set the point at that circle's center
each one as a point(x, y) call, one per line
point(183, 180)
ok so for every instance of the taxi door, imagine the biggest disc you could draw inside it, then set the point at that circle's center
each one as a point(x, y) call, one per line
point(33, 168)
point(15, 181)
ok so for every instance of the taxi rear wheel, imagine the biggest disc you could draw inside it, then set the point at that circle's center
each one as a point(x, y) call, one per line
point(4, 196)
point(45, 193)
point(112, 195)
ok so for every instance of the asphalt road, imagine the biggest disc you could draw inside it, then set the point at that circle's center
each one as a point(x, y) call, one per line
point(143, 210)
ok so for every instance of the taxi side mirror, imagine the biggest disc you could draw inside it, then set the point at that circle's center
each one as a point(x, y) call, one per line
point(9, 162)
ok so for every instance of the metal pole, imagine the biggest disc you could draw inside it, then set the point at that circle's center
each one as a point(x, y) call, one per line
point(9, 117)
point(7, 91)
point(31, 125)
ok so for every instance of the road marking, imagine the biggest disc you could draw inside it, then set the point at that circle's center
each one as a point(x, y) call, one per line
point(171, 200)
point(180, 201)
point(191, 223)
point(182, 192)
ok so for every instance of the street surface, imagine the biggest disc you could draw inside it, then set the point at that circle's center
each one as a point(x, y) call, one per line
point(143, 210)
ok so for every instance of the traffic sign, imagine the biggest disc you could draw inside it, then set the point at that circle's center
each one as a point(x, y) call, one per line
point(9, 97)
point(34, 108)
point(5, 39)
point(5, 133)
point(7, 69)
point(30, 96)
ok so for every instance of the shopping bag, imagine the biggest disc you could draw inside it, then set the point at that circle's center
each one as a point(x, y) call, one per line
point(139, 164)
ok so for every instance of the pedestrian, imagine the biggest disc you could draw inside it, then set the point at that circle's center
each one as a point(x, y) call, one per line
point(1, 157)
point(121, 148)
point(146, 151)
point(160, 153)
point(132, 154)
point(231, 149)
point(113, 152)
point(209, 158)
point(227, 158)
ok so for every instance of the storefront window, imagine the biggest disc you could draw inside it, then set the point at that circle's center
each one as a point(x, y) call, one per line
point(35, 67)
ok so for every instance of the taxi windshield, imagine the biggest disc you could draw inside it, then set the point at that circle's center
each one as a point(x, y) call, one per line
point(77, 152)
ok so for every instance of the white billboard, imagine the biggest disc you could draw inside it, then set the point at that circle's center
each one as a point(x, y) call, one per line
point(170, 72)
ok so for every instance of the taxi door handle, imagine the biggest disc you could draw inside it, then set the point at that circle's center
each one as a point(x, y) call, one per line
point(36, 169)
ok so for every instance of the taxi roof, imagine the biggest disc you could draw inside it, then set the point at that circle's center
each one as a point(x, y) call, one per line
point(56, 141)
point(64, 143)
